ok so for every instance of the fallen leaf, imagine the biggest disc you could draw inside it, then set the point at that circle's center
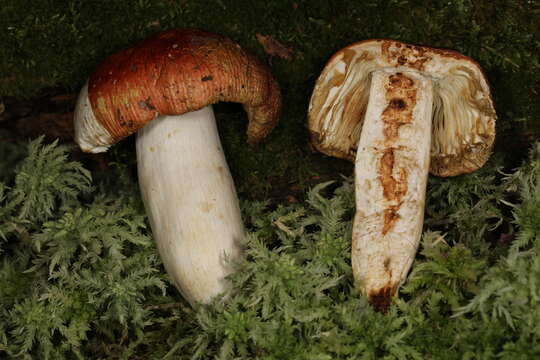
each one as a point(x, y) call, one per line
point(274, 48)
point(64, 98)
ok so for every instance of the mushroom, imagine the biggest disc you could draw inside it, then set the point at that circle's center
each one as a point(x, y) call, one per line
point(164, 87)
point(398, 111)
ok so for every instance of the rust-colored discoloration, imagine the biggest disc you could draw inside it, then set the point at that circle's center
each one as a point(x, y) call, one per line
point(393, 189)
point(411, 56)
point(182, 70)
point(390, 217)
point(382, 299)
point(401, 97)
point(348, 56)
point(386, 264)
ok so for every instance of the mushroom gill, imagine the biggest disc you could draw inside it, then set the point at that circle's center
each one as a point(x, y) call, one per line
point(461, 124)
point(341, 105)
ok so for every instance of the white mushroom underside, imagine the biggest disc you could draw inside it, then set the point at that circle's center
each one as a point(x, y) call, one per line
point(91, 136)
point(382, 260)
point(191, 201)
point(460, 93)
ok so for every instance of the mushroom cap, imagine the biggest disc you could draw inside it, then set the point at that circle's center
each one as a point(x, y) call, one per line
point(463, 113)
point(172, 73)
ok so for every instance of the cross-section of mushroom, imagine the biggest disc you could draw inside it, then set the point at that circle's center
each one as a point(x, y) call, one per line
point(399, 111)
point(165, 86)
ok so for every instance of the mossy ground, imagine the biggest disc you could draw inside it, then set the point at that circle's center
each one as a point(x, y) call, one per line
point(79, 273)
point(51, 46)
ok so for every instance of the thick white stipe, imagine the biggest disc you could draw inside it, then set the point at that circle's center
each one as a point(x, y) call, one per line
point(191, 201)
point(384, 242)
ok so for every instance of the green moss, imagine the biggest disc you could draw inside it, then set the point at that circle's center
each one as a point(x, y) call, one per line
point(80, 276)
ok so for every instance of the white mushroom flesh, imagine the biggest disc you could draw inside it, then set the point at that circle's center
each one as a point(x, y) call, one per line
point(391, 170)
point(91, 136)
point(191, 201)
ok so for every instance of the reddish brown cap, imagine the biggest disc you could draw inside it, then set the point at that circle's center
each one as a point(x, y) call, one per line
point(463, 113)
point(172, 73)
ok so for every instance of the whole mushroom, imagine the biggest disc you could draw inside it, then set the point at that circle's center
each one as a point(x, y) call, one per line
point(398, 111)
point(163, 87)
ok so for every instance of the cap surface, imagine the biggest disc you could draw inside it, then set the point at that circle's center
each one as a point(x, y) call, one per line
point(171, 73)
point(464, 116)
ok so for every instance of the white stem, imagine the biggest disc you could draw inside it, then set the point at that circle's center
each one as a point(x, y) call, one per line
point(191, 201)
point(391, 172)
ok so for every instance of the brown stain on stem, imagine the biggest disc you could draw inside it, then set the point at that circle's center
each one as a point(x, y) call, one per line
point(382, 299)
point(393, 189)
point(401, 97)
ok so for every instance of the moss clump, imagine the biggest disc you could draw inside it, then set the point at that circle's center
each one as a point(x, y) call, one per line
point(80, 276)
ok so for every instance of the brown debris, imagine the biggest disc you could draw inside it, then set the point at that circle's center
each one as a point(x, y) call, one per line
point(274, 48)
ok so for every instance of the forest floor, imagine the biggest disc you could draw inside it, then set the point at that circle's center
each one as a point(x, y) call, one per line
point(50, 47)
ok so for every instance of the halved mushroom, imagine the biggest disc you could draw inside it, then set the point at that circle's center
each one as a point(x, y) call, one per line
point(167, 84)
point(399, 111)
